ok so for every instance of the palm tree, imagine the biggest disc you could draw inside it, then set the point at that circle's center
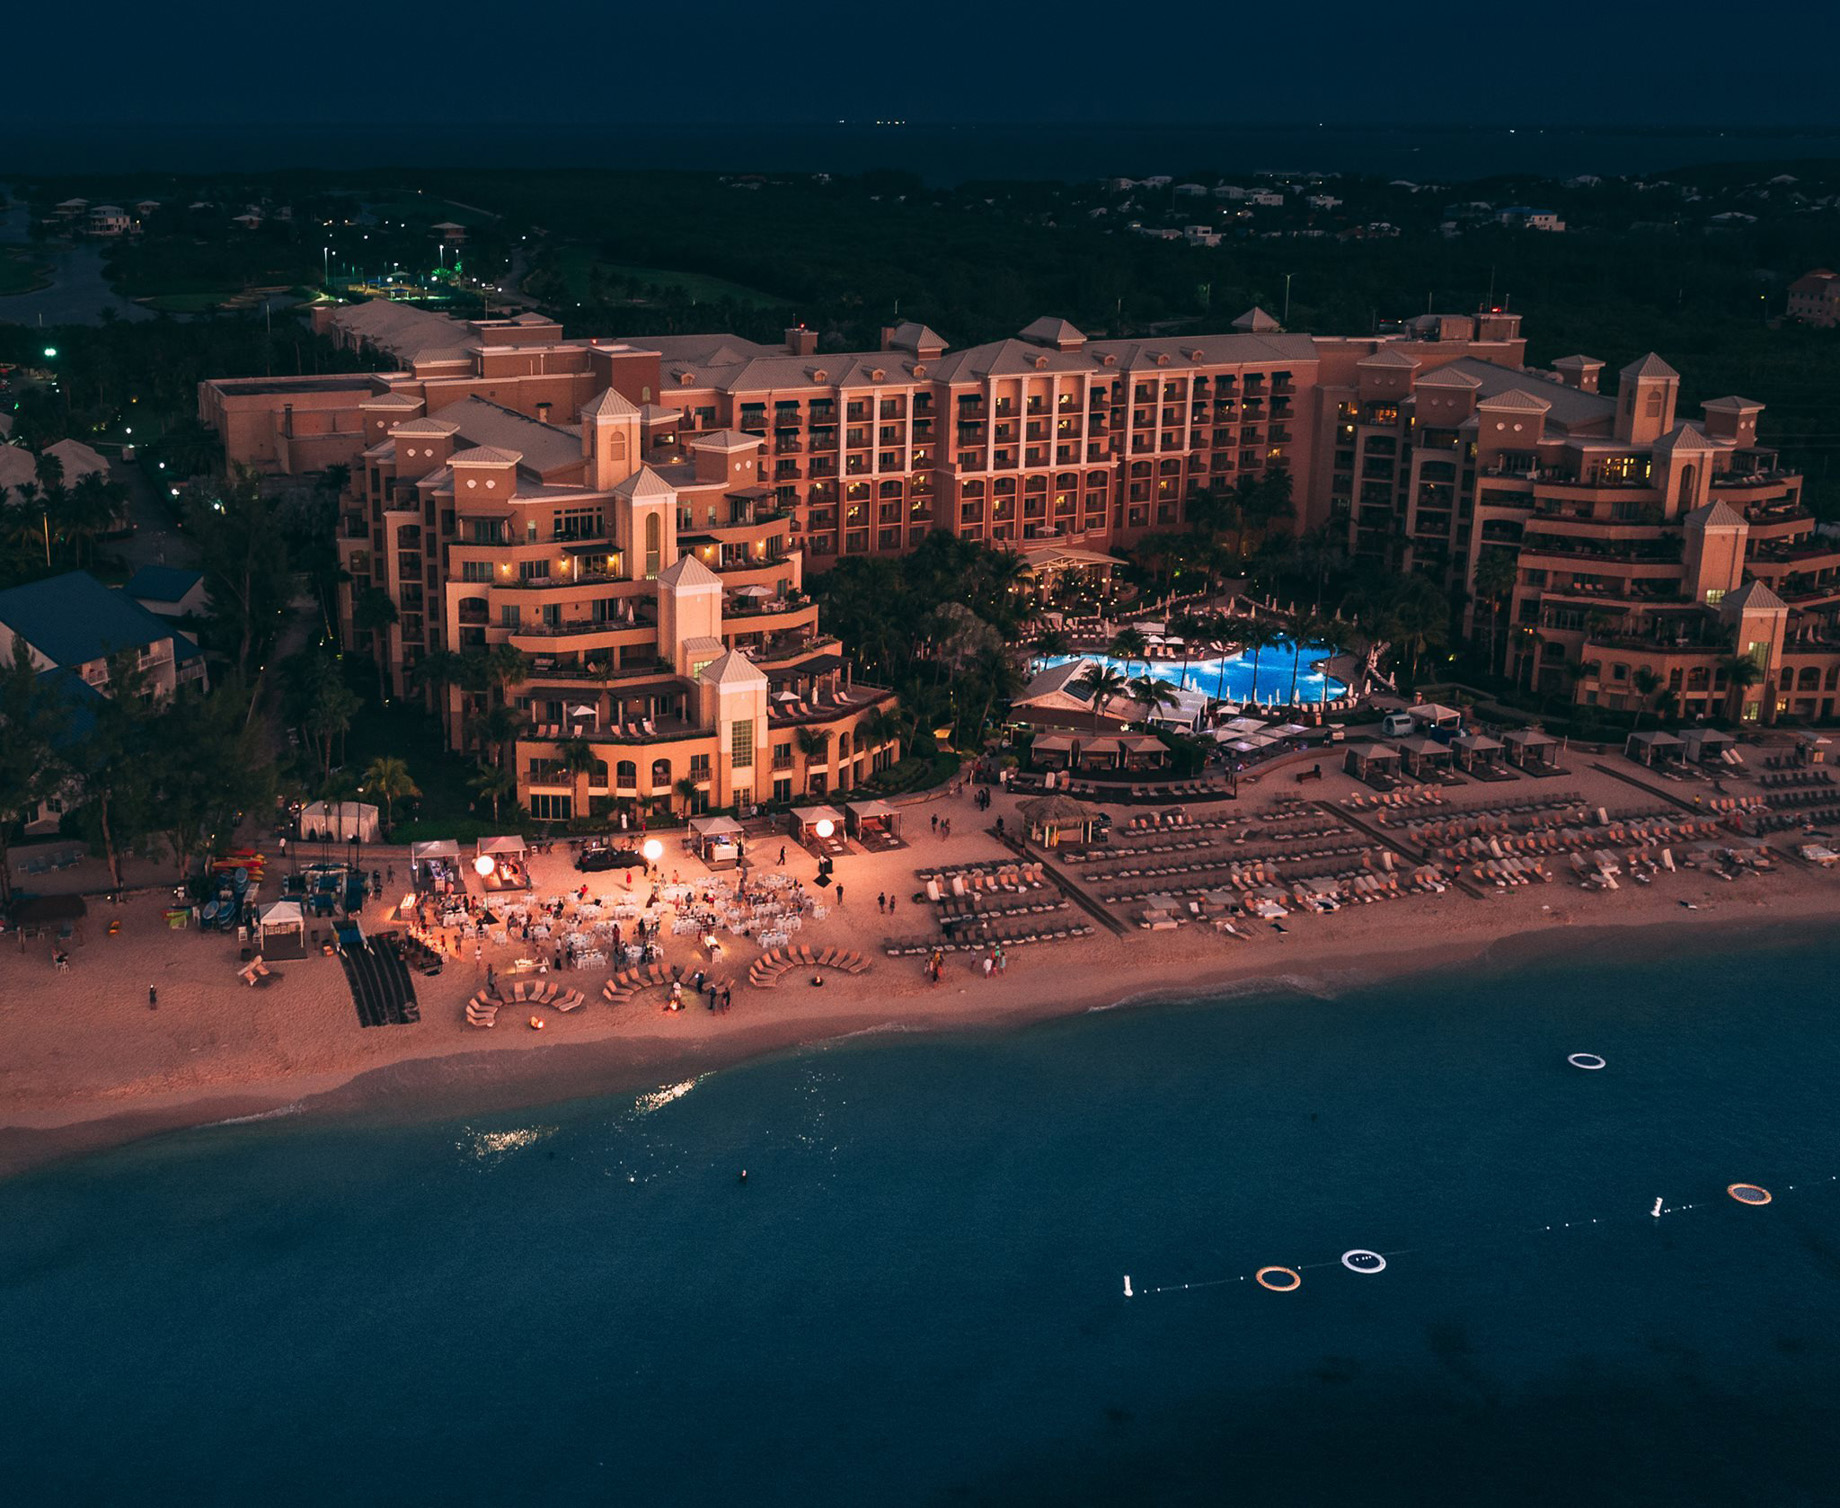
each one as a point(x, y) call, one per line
point(498, 726)
point(1743, 673)
point(1101, 683)
point(1496, 576)
point(576, 756)
point(1307, 629)
point(1152, 694)
point(1051, 644)
point(388, 777)
point(1128, 644)
point(371, 614)
point(1647, 683)
point(494, 783)
point(686, 789)
point(814, 744)
point(879, 729)
point(1258, 637)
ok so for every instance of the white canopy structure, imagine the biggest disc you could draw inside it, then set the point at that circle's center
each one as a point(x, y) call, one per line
point(875, 815)
point(510, 844)
point(282, 925)
point(340, 822)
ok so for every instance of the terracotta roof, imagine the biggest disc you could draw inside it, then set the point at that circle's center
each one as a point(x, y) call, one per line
point(733, 669)
point(611, 404)
point(484, 455)
point(1650, 365)
point(1257, 322)
point(645, 483)
point(687, 570)
point(1715, 515)
point(1517, 400)
point(1753, 596)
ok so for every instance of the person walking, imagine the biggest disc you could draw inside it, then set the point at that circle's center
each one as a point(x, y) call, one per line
point(728, 996)
point(881, 901)
point(840, 892)
point(782, 857)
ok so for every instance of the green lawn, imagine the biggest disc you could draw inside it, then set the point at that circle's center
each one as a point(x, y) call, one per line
point(19, 273)
point(579, 263)
point(191, 303)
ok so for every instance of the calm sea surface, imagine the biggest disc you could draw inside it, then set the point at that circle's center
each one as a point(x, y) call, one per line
point(918, 1295)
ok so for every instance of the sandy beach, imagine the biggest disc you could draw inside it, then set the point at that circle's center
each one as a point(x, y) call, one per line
point(89, 1063)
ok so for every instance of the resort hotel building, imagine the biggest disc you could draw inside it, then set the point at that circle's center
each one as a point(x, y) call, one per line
point(1636, 540)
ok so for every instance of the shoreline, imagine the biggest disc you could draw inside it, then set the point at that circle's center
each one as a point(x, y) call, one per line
point(448, 1082)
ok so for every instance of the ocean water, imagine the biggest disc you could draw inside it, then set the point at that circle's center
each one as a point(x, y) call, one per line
point(918, 1297)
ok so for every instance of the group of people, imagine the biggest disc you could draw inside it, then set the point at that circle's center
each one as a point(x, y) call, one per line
point(942, 826)
point(715, 997)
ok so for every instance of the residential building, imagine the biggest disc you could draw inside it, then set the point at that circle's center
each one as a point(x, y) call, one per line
point(168, 591)
point(75, 624)
point(1814, 298)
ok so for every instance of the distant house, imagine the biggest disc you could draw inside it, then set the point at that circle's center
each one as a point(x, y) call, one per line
point(448, 230)
point(249, 220)
point(145, 207)
point(74, 623)
point(167, 591)
point(1525, 217)
point(108, 220)
point(71, 209)
point(1814, 298)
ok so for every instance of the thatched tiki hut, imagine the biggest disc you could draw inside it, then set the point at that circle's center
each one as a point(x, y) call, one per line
point(1058, 819)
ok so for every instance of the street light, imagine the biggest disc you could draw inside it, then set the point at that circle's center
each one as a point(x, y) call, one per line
point(50, 353)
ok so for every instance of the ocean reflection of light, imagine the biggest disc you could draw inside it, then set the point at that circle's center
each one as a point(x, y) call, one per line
point(659, 1098)
point(492, 1146)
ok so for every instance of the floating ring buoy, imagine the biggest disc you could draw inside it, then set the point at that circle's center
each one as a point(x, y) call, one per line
point(1363, 1261)
point(1586, 1060)
point(1748, 1193)
point(1266, 1277)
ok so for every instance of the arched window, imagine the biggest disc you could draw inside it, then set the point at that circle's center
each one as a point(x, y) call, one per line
point(628, 774)
point(661, 774)
point(843, 746)
point(1654, 405)
point(1688, 475)
point(654, 545)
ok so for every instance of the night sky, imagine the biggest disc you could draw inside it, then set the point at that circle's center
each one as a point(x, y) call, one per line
point(591, 62)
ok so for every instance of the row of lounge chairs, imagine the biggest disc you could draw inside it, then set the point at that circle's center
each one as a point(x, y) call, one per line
point(1575, 839)
point(972, 907)
point(546, 992)
point(645, 976)
point(482, 1010)
point(766, 971)
point(1776, 822)
point(1230, 866)
point(1404, 795)
point(1010, 877)
point(1792, 779)
point(1011, 937)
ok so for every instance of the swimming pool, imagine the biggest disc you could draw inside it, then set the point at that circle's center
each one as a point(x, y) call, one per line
point(1235, 678)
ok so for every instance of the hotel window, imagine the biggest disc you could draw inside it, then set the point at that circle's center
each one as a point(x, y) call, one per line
point(782, 790)
point(699, 763)
point(476, 570)
point(1714, 596)
point(576, 523)
point(654, 545)
point(741, 745)
point(551, 808)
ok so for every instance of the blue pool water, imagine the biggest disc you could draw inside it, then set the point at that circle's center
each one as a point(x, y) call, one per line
point(1237, 677)
point(918, 1295)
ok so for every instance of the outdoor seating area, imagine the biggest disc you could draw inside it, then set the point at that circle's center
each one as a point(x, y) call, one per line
point(875, 824)
point(1531, 752)
point(482, 1009)
point(1171, 869)
point(627, 983)
point(975, 906)
point(766, 972)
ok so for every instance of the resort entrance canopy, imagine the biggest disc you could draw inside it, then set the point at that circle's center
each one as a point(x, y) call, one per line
point(282, 925)
point(1650, 746)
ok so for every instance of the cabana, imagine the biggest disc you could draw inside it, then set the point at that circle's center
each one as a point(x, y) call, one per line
point(1142, 751)
point(434, 866)
point(1429, 715)
point(282, 926)
point(1529, 748)
point(715, 840)
point(1476, 751)
point(1651, 746)
point(1376, 764)
point(500, 865)
point(1058, 819)
point(1052, 751)
point(873, 820)
point(340, 822)
point(1424, 758)
point(1708, 746)
point(816, 824)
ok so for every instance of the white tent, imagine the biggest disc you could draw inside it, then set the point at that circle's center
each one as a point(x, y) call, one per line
point(340, 821)
point(282, 925)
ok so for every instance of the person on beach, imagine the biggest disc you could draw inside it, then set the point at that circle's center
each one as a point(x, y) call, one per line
point(935, 824)
point(840, 893)
point(153, 998)
point(881, 901)
point(990, 962)
point(782, 856)
point(728, 996)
